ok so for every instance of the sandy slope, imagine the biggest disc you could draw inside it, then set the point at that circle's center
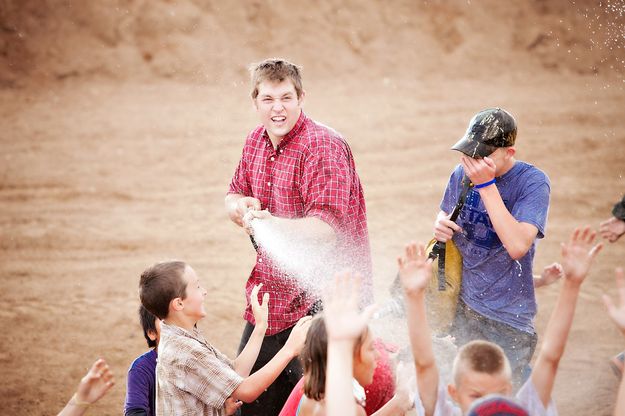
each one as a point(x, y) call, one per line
point(120, 130)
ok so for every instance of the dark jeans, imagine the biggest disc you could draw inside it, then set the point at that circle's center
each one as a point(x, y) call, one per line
point(518, 345)
point(271, 401)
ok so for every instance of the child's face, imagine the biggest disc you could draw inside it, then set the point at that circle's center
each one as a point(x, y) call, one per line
point(155, 335)
point(193, 303)
point(365, 361)
point(474, 384)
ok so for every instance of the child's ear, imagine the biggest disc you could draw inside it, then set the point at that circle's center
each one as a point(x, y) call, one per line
point(152, 335)
point(176, 304)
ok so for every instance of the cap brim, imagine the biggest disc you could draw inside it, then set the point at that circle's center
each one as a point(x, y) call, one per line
point(473, 149)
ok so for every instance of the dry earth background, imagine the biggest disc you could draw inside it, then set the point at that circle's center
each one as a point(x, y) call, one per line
point(121, 123)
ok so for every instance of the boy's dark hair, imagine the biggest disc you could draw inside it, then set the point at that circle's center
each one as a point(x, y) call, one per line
point(159, 284)
point(148, 323)
point(276, 70)
point(483, 357)
point(314, 357)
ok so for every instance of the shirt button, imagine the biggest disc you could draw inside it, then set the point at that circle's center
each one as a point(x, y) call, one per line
point(260, 260)
point(268, 183)
point(280, 150)
point(273, 158)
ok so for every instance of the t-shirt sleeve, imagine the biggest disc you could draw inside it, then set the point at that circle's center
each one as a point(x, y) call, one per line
point(451, 195)
point(529, 399)
point(138, 389)
point(325, 185)
point(209, 379)
point(532, 205)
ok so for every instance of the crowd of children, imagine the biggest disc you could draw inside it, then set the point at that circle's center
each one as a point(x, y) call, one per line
point(293, 364)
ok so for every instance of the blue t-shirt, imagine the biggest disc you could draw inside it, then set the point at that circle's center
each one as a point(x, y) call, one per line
point(140, 392)
point(493, 284)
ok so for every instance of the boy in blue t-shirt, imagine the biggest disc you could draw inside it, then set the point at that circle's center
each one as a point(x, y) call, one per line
point(505, 211)
point(140, 392)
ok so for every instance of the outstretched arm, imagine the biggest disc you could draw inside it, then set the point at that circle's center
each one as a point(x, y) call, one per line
point(93, 386)
point(415, 271)
point(308, 229)
point(343, 324)
point(254, 385)
point(577, 257)
point(245, 361)
point(617, 313)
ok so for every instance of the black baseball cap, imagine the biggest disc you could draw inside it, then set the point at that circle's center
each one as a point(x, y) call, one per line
point(488, 130)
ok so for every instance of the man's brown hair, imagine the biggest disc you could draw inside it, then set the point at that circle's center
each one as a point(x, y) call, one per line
point(159, 284)
point(483, 357)
point(314, 357)
point(276, 70)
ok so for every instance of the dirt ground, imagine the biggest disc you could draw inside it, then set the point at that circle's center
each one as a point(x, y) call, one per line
point(121, 123)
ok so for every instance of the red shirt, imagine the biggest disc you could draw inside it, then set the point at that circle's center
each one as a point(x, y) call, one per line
point(310, 174)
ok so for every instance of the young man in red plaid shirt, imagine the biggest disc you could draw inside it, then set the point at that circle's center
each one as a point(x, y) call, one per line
point(299, 176)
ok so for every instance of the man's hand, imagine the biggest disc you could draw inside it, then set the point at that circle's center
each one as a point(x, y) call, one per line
point(578, 255)
point(444, 228)
point(238, 205)
point(260, 311)
point(479, 170)
point(612, 229)
point(252, 215)
point(617, 313)
point(415, 269)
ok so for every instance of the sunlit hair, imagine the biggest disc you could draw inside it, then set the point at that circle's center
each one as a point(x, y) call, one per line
point(159, 284)
point(483, 357)
point(314, 357)
point(275, 70)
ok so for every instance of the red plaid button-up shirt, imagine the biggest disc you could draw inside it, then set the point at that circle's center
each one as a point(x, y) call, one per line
point(310, 174)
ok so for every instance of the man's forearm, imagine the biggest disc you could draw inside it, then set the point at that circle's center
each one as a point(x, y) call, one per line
point(306, 229)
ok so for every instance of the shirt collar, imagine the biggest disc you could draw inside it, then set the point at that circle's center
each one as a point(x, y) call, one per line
point(297, 128)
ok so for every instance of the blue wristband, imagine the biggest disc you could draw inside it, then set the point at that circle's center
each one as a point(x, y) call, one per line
point(485, 184)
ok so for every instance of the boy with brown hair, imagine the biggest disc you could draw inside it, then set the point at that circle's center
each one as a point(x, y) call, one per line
point(192, 376)
point(481, 367)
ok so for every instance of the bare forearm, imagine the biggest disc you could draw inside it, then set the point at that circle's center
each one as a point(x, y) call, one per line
point(554, 342)
point(422, 351)
point(516, 237)
point(255, 384)
point(391, 408)
point(339, 396)
point(245, 361)
point(620, 398)
point(310, 228)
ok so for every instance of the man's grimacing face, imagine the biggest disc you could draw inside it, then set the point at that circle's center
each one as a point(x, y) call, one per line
point(278, 107)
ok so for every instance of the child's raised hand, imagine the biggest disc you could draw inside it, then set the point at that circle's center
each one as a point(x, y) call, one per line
point(260, 311)
point(551, 274)
point(415, 269)
point(297, 337)
point(617, 313)
point(578, 254)
point(343, 320)
point(95, 383)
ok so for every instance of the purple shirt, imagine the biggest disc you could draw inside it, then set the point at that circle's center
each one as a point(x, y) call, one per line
point(140, 392)
point(493, 284)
